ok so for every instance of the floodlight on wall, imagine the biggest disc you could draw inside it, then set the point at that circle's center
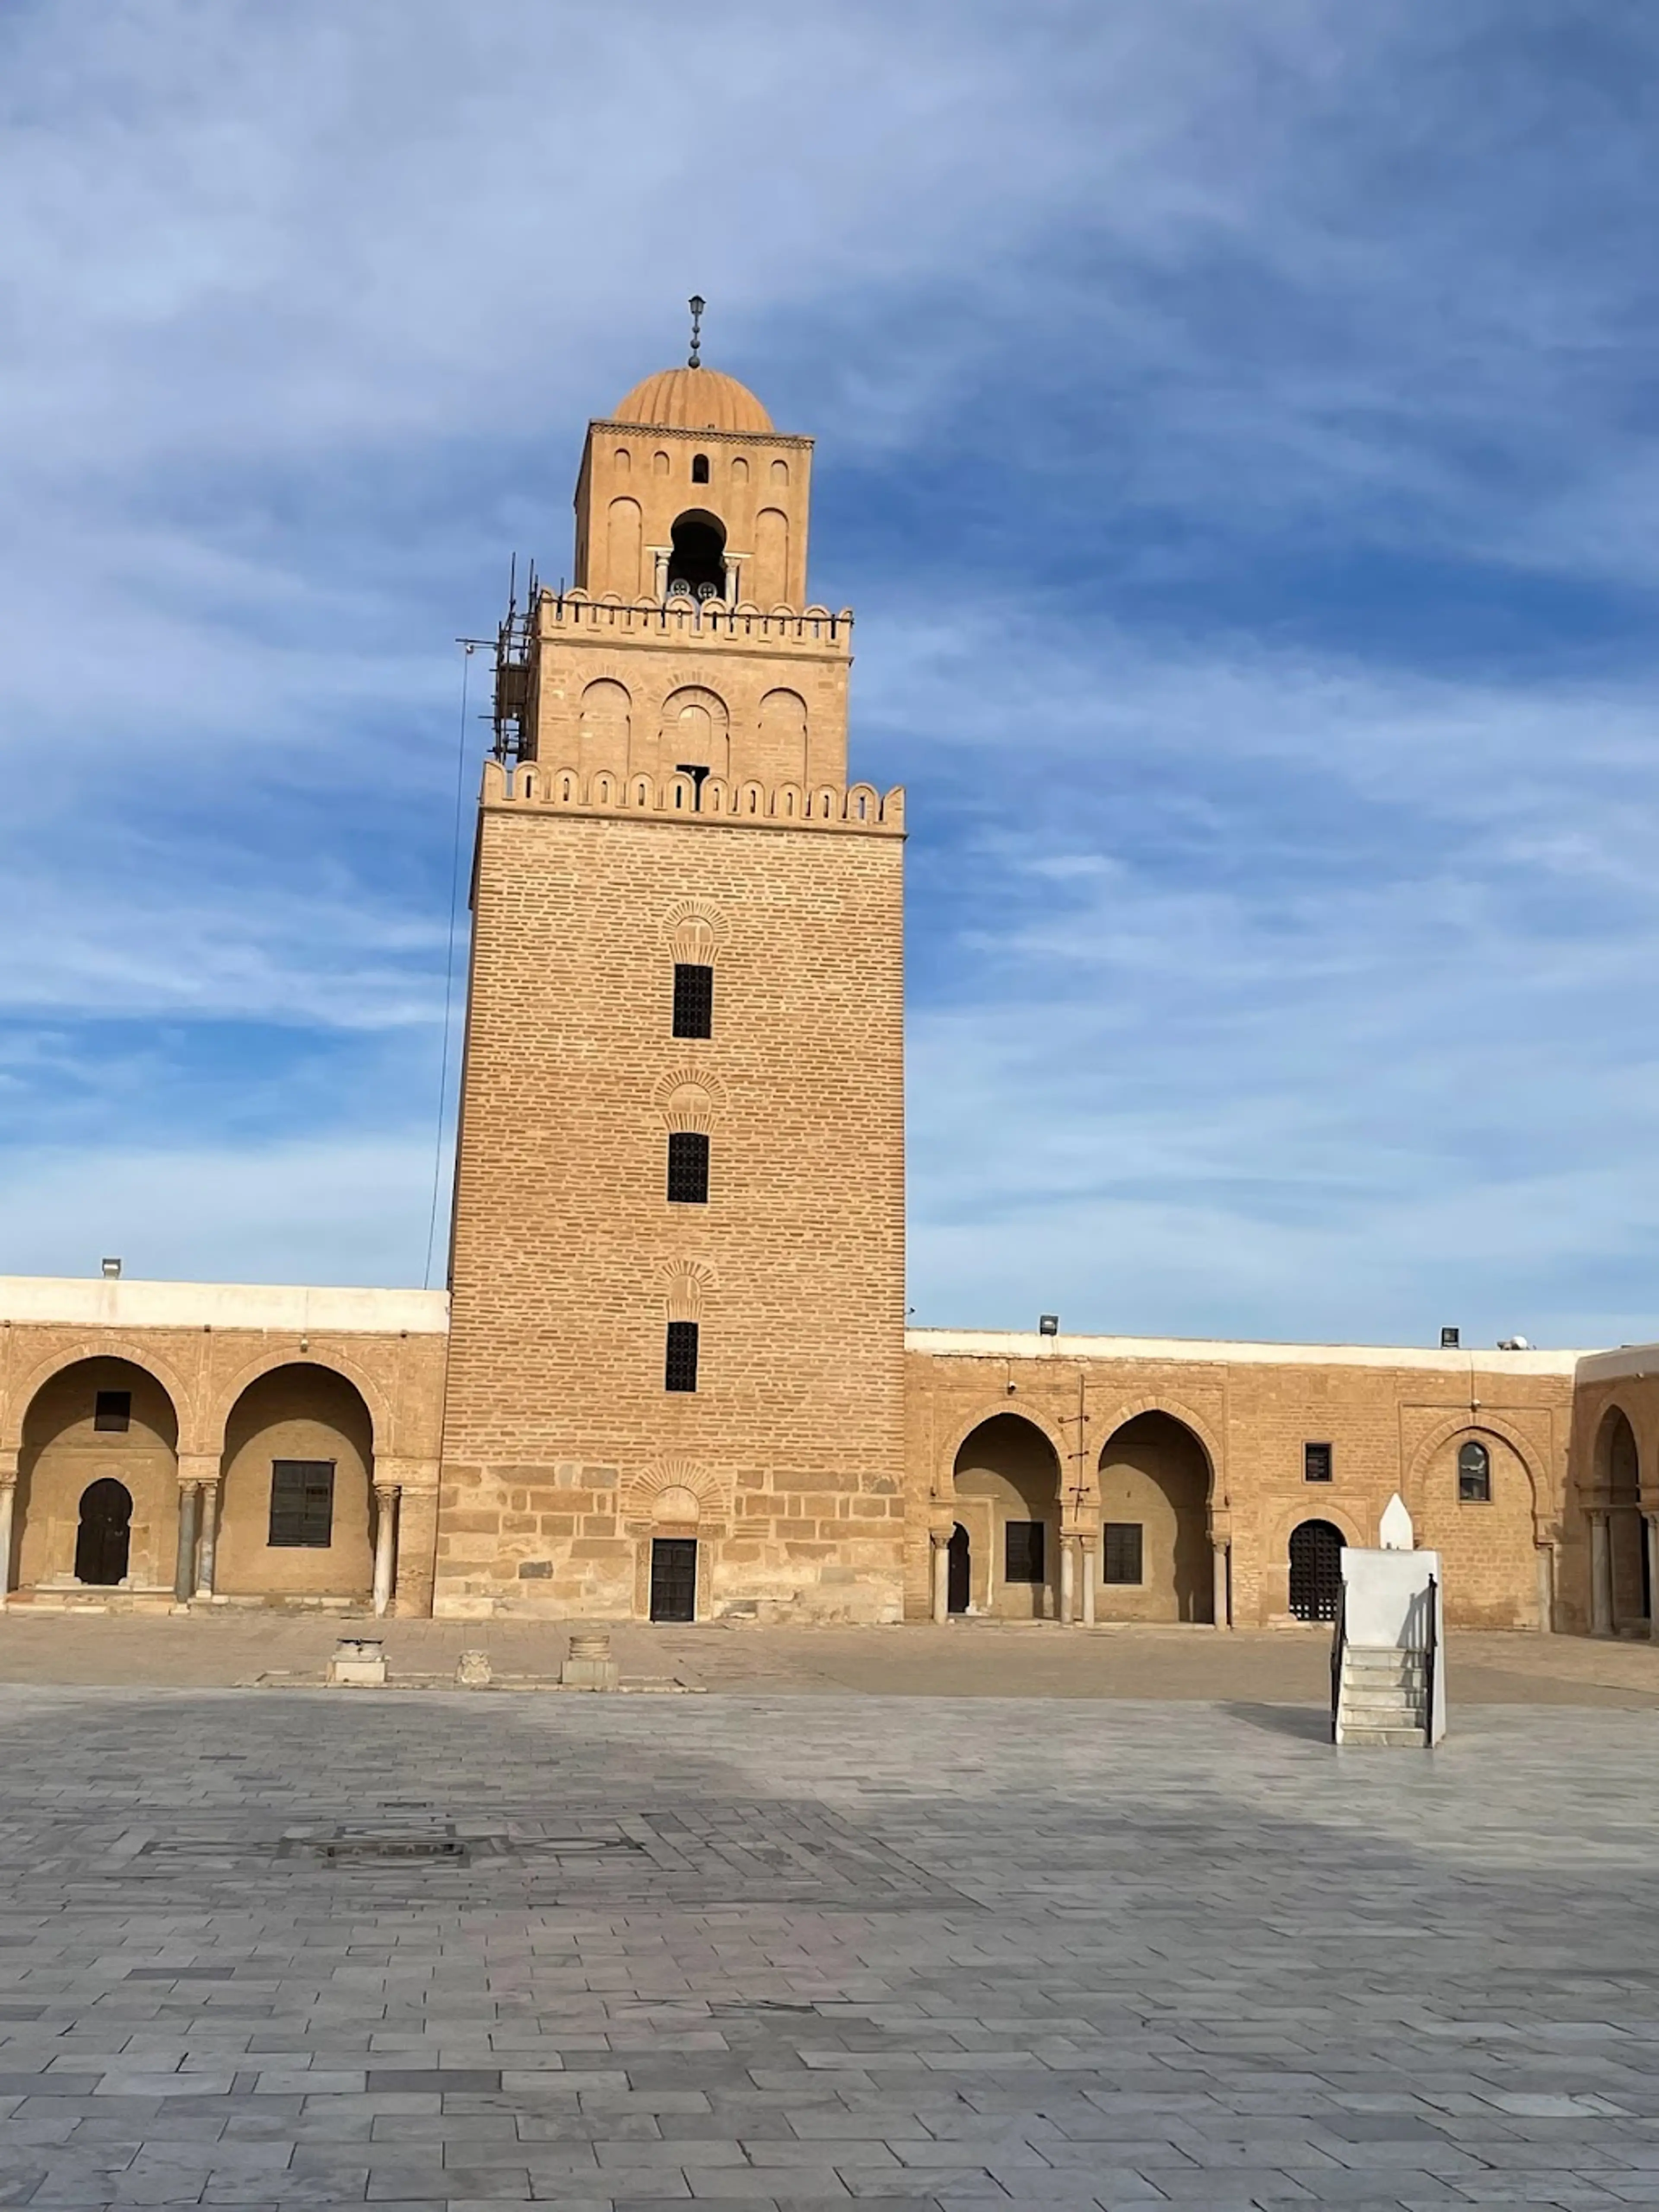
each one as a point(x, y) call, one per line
point(112, 1271)
point(1449, 1339)
point(1047, 1324)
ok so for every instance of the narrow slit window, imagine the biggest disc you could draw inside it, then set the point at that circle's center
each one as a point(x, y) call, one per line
point(680, 1361)
point(688, 1168)
point(1120, 1551)
point(1474, 1474)
point(1023, 1552)
point(301, 1505)
point(693, 1000)
point(111, 1409)
point(1315, 1462)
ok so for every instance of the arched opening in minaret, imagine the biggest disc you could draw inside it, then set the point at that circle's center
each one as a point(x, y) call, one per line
point(697, 564)
point(698, 468)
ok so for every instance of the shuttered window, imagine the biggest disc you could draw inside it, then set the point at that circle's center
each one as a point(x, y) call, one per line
point(688, 1168)
point(302, 1503)
point(1023, 1552)
point(1473, 1473)
point(1315, 1462)
point(693, 1000)
point(680, 1362)
point(1120, 1551)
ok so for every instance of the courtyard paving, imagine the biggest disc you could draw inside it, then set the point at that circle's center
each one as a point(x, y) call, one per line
point(298, 1948)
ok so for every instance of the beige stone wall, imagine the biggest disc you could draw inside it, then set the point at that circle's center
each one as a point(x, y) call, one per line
point(1394, 1421)
point(196, 1349)
point(569, 1261)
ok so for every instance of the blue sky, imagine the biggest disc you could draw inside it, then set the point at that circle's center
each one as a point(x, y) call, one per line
point(1235, 433)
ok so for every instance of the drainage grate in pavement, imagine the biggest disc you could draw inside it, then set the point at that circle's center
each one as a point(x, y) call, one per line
point(347, 1845)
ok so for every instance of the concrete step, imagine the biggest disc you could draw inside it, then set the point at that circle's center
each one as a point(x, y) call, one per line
point(1408, 1709)
point(1400, 1739)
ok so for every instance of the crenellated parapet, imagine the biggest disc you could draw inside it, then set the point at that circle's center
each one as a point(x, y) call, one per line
point(857, 806)
point(681, 620)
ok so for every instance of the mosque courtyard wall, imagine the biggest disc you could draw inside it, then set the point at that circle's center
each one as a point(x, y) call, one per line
point(1058, 1479)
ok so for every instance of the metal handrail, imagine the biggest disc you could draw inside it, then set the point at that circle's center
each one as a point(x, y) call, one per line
point(1338, 1646)
point(1431, 1654)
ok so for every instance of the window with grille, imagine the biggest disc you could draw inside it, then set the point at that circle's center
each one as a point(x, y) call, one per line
point(1315, 1462)
point(693, 1000)
point(1474, 1474)
point(1023, 1552)
point(680, 1364)
point(688, 1168)
point(111, 1409)
point(302, 1503)
point(1121, 1550)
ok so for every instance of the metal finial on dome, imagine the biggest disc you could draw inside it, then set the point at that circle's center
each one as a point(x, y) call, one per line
point(697, 306)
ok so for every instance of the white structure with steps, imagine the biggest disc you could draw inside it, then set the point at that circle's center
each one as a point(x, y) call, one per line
point(1387, 1671)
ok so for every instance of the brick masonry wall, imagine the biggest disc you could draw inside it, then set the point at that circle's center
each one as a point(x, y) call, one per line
point(1391, 1428)
point(202, 1373)
point(560, 1438)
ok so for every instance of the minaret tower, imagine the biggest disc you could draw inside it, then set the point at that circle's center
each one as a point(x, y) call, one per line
point(676, 1372)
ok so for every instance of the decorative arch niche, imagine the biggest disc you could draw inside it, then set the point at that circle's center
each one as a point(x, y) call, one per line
point(297, 1415)
point(605, 727)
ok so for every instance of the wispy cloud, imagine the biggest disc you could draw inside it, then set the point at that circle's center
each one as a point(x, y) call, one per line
point(1236, 438)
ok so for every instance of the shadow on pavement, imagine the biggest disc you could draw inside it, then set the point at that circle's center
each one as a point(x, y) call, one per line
point(1311, 1722)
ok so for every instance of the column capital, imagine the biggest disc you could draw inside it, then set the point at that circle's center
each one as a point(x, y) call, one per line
point(397, 1471)
point(198, 1468)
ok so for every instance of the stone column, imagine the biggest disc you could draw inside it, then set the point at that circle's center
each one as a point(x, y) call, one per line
point(1221, 1609)
point(208, 1544)
point(941, 1579)
point(1601, 1576)
point(385, 1544)
point(1067, 1577)
point(184, 1574)
point(1086, 1557)
point(1546, 1589)
point(8, 1510)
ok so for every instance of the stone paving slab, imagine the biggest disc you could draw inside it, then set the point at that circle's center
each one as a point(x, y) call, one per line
point(805, 1950)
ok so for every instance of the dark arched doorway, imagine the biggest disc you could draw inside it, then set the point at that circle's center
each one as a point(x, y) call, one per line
point(1315, 1570)
point(105, 1535)
point(960, 1579)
